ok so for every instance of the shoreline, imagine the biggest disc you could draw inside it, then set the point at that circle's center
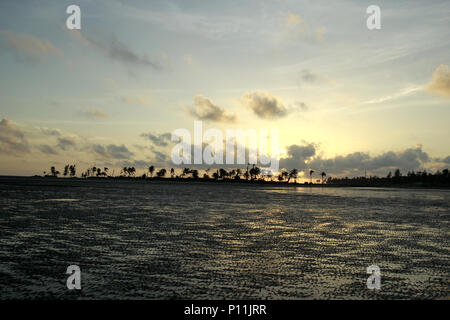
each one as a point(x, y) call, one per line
point(259, 183)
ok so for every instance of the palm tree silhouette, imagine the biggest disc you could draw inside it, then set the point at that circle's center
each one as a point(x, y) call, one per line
point(73, 170)
point(310, 174)
point(323, 174)
point(254, 172)
point(151, 169)
point(66, 170)
point(293, 174)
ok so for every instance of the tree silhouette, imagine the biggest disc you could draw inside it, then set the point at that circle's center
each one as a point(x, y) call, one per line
point(161, 173)
point(323, 174)
point(151, 169)
point(223, 173)
point(186, 171)
point(66, 170)
point(73, 170)
point(54, 172)
point(311, 173)
point(293, 174)
point(238, 174)
point(255, 172)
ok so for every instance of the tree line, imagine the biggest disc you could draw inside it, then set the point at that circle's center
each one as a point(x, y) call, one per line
point(254, 173)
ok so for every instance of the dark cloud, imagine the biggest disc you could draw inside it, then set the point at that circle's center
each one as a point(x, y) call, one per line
point(409, 159)
point(65, 143)
point(297, 155)
point(205, 109)
point(12, 139)
point(161, 140)
point(160, 157)
point(305, 156)
point(112, 151)
point(265, 105)
point(308, 76)
point(45, 148)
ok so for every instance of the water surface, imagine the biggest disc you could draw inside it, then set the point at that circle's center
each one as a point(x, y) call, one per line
point(158, 240)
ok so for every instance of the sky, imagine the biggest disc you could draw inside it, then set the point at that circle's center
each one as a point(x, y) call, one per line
point(345, 99)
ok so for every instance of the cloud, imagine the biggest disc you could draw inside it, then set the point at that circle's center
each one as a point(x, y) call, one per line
point(132, 163)
point(118, 51)
point(50, 131)
point(136, 100)
point(94, 113)
point(292, 20)
point(161, 140)
point(295, 27)
point(12, 139)
point(300, 106)
point(297, 155)
point(265, 105)
point(112, 151)
point(305, 156)
point(409, 159)
point(205, 109)
point(402, 93)
point(45, 148)
point(27, 47)
point(65, 143)
point(445, 160)
point(440, 82)
point(308, 76)
point(160, 158)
